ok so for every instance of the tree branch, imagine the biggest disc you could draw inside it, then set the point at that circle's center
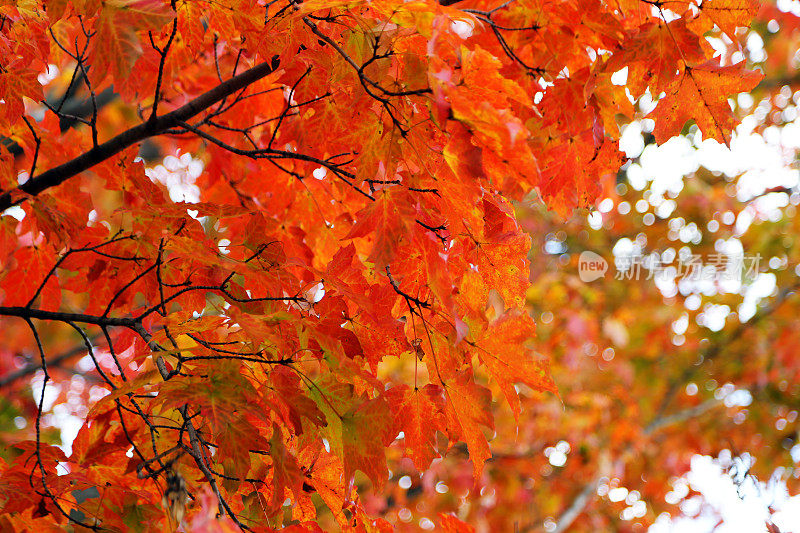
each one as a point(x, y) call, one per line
point(27, 313)
point(587, 494)
point(717, 348)
point(661, 419)
point(196, 452)
point(578, 505)
point(11, 377)
point(98, 154)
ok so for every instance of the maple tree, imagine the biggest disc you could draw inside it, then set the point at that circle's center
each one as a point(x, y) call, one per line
point(281, 237)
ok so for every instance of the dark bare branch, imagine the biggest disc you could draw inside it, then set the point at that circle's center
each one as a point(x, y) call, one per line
point(98, 154)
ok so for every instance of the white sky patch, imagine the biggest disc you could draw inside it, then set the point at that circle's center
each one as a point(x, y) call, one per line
point(315, 293)
point(631, 142)
point(15, 211)
point(789, 6)
point(557, 455)
point(620, 77)
point(713, 316)
point(178, 173)
point(763, 286)
point(721, 506)
point(462, 28)
point(48, 75)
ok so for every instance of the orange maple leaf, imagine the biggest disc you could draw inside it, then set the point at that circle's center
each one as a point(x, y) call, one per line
point(701, 94)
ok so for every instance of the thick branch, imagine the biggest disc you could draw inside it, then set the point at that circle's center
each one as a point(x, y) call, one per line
point(577, 507)
point(28, 313)
point(681, 416)
point(157, 125)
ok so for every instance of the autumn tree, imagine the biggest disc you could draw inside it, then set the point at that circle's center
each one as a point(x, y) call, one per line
point(266, 253)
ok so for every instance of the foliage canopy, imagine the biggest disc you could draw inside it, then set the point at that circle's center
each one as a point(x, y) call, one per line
point(326, 277)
